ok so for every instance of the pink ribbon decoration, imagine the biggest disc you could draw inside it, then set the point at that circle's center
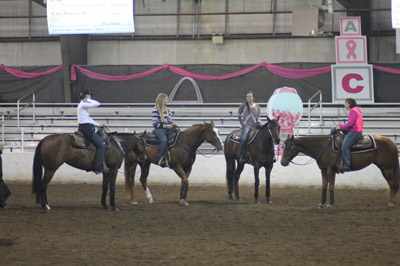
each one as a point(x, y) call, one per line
point(387, 69)
point(351, 46)
point(28, 75)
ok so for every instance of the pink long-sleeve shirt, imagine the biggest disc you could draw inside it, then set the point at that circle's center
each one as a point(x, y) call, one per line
point(355, 121)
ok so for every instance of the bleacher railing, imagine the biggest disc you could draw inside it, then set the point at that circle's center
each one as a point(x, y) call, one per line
point(310, 109)
point(19, 109)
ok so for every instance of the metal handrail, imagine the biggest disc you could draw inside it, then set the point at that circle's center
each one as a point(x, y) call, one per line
point(33, 106)
point(311, 109)
point(2, 128)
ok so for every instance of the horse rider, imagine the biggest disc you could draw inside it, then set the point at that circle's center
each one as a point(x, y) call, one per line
point(249, 116)
point(87, 127)
point(161, 119)
point(353, 129)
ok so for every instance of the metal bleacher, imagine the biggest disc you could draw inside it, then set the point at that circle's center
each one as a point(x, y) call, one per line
point(379, 119)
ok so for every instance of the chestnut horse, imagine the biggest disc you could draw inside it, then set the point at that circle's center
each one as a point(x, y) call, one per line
point(385, 157)
point(56, 149)
point(261, 151)
point(183, 155)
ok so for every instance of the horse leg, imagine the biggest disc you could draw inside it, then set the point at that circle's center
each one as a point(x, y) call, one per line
point(331, 180)
point(143, 180)
point(130, 171)
point(324, 188)
point(391, 179)
point(268, 183)
point(112, 176)
point(256, 183)
point(184, 185)
point(238, 171)
point(48, 175)
point(230, 170)
point(105, 189)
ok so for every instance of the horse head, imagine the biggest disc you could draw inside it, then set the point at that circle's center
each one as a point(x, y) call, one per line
point(211, 135)
point(274, 129)
point(290, 151)
point(140, 145)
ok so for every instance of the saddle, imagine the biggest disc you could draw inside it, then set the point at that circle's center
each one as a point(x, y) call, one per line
point(235, 135)
point(365, 143)
point(79, 141)
point(172, 136)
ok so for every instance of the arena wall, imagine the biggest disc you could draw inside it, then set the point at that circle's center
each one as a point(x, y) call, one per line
point(17, 166)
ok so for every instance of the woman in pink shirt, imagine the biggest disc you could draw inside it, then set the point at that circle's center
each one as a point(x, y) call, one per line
point(353, 127)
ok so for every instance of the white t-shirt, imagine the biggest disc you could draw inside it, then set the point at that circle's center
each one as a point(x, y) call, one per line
point(83, 112)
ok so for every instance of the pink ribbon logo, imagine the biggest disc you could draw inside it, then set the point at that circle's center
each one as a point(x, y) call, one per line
point(351, 47)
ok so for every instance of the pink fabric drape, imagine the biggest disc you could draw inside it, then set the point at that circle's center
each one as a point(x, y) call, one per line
point(297, 73)
point(94, 75)
point(277, 70)
point(387, 69)
point(28, 75)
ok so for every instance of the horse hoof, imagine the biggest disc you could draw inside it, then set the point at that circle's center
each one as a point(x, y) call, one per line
point(134, 202)
point(390, 207)
point(257, 201)
point(183, 202)
point(151, 201)
point(269, 200)
point(328, 206)
point(320, 206)
point(238, 199)
point(116, 209)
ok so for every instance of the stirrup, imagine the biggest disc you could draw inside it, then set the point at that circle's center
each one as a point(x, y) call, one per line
point(163, 162)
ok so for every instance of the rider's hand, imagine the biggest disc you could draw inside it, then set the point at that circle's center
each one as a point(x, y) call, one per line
point(102, 125)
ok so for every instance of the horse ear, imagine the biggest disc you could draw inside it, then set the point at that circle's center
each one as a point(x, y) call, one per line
point(268, 119)
point(212, 123)
point(144, 133)
point(292, 138)
point(134, 132)
point(277, 120)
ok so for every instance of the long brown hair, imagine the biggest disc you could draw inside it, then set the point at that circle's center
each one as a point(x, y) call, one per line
point(160, 105)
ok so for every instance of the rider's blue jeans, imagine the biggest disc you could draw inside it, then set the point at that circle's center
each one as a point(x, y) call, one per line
point(243, 139)
point(162, 136)
point(348, 141)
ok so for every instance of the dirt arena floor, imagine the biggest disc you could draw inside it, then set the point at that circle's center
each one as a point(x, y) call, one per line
point(211, 231)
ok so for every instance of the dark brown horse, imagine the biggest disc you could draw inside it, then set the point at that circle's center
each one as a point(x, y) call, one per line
point(56, 149)
point(183, 155)
point(261, 151)
point(385, 156)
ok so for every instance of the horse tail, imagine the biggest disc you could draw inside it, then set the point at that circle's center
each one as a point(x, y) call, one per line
point(37, 177)
point(397, 173)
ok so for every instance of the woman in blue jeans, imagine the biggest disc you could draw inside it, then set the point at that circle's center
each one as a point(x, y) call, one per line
point(354, 126)
point(161, 118)
point(249, 116)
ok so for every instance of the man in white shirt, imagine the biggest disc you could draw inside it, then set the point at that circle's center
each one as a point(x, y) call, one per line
point(86, 126)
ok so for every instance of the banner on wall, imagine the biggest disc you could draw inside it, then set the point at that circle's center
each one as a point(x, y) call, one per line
point(90, 16)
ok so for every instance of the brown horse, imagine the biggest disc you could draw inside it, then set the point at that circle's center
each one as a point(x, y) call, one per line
point(183, 155)
point(261, 151)
point(56, 149)
point(385, 156)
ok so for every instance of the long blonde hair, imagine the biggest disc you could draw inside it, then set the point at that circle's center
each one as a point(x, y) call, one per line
point(160, 105)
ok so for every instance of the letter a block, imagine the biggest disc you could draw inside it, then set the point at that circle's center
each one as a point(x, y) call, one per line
point(350, 26)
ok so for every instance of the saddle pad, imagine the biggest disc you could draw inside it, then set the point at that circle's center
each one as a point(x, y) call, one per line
point(172, 136)
point(235, 135)
point(364, 144)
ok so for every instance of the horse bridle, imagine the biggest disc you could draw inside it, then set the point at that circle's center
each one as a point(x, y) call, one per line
point(310, 161)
